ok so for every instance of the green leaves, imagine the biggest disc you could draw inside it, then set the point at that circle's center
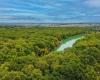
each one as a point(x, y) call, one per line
point(14, 76)
point(26, 54)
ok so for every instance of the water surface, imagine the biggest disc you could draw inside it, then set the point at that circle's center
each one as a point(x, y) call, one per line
point(69, 42)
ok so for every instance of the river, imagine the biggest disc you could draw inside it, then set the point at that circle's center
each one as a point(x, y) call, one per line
point(69, 42)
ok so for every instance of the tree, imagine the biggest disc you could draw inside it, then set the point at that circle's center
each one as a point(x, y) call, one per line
point(14, 76)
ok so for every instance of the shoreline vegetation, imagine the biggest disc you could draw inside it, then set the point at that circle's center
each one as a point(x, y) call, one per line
point(28, 54)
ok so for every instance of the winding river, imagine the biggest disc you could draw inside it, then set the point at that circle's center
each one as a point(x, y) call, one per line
point(69, 42)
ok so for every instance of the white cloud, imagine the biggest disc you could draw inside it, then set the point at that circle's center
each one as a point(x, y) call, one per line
point(93, 3)
point(6, 17)
point(97, 15)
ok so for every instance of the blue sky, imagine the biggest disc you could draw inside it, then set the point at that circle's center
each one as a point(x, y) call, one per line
point(49, 11)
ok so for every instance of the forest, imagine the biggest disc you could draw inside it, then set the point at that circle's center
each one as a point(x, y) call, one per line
point(29, 54)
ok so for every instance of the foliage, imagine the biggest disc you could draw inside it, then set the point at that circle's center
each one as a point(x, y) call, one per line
point(28, 54)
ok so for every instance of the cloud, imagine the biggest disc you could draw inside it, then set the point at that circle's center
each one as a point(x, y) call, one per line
point(49, 10)
point(6, 17)
point(93, 3)
point(97, 15)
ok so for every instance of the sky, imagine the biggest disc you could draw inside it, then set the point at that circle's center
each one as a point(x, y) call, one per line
point(49, 11)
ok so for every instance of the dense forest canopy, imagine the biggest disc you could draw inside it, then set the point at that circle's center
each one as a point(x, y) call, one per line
point(28, 54)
